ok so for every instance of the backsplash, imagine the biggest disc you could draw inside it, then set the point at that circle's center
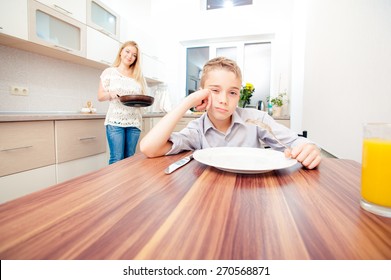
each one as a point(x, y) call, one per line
point(53, 85)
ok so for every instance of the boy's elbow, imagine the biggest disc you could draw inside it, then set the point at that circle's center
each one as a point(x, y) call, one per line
point(147, 151)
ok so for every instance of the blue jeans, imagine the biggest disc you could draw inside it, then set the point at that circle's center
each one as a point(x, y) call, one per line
point(122, 141)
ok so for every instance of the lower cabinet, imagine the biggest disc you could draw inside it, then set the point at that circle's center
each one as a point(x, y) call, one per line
point(71, 169)
point(37, 154)
point(22, 183)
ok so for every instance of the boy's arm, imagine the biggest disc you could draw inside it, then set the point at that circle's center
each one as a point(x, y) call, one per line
point(156, 143)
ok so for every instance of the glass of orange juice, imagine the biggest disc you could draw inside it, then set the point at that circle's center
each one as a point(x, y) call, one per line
point(376, 169)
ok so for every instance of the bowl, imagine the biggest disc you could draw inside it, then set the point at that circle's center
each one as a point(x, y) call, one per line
point(137, 100)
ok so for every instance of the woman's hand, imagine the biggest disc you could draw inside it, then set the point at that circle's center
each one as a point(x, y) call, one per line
point(112, 95)
point(307, 154)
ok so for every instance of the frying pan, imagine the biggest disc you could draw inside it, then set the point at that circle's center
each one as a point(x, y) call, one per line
point(138, 100)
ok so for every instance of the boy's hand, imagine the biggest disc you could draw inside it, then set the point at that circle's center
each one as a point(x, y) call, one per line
point(201, 99)
point(307, 154)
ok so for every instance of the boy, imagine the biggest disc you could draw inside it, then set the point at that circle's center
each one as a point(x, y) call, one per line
point(224, 123)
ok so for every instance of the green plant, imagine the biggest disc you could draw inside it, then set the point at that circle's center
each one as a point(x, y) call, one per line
point(246, 92)
point(279, 100)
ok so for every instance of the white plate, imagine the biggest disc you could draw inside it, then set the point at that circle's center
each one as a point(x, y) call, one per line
point(243, 160)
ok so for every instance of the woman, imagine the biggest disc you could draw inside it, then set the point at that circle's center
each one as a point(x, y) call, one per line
point(123, 123)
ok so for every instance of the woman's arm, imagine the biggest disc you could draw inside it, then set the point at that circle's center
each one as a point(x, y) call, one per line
point(104, 95)
point(156, 143)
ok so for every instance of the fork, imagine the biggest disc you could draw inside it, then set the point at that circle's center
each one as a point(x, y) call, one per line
point(262, 125)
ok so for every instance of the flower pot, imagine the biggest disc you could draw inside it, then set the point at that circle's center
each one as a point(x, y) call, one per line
point(277, 111)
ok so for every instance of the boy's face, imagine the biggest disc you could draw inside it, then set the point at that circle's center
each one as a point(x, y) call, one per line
point(225, 94)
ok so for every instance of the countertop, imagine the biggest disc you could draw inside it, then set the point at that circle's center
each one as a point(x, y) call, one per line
point(49, 116)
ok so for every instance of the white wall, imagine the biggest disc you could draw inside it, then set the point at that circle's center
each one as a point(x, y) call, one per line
point(347, 72)
point(54, 85)
point(176, 21)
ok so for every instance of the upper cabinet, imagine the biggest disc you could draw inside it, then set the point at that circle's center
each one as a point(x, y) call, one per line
point(53, 29)
point(13, 18)
point(153, 69)
point(72, 8)
point(101, 48)
point(102, 18)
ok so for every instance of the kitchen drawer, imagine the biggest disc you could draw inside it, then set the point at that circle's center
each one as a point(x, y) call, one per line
point(79, 138)
point(25, 146)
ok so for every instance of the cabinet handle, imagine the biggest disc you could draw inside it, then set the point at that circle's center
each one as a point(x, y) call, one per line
point(62, 48)
point(62, 9)
point(87, 138)
point(17, 148)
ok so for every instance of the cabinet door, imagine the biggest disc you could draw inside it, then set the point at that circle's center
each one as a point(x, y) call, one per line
point(79, 138)
point(73, 8)
point(19, 184)
point(152, 68)
point(71, 169)
point(10, 24)
point(102, 18)
point(25, 146)
point(53, 29)
point(100, 47)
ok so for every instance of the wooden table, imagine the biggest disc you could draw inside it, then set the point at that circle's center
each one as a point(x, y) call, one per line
point(132, 210)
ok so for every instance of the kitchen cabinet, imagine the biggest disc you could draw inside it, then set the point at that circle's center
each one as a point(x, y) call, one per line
point(13, 18)
point(153, 68)
point(79, 138)
point(72, 8)
point(101, 48)
point(74, 168)
point(53, 29)
point(80, 147)
point(102, 18)
point(27, 157)
point(38, 154)
point(19, 184)
point(26, 140)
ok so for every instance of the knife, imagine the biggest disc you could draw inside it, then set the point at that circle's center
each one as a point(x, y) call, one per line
point(172, 167)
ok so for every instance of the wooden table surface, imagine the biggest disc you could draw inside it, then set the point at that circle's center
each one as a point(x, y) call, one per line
point(132, 210)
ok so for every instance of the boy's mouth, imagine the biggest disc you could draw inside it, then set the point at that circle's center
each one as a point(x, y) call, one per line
point(221, 110)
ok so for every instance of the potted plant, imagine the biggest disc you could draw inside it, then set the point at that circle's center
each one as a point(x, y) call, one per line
point(277, 103)
point(246, 92)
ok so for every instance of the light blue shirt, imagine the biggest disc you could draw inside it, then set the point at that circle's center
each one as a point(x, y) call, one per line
point(201, 134)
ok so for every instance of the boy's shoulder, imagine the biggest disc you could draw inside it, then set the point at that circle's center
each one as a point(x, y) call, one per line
point(246, 113)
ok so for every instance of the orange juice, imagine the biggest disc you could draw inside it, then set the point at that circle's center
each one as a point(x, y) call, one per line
point(376, 171)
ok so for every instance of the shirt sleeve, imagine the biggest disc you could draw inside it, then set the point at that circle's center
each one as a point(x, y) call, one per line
point(283, 133)
point(105, 78)
point(188, 139)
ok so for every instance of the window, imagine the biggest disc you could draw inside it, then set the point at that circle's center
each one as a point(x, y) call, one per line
point(254, 59)
point(195, 60)
point(218, 4)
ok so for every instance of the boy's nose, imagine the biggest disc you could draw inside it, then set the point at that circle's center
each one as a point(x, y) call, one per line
point(222, 97)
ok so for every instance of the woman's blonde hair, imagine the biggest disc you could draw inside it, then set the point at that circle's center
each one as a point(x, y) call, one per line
point(220, 63)
point(136, 66)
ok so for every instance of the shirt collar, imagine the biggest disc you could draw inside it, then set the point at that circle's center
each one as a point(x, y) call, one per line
point(236, 118)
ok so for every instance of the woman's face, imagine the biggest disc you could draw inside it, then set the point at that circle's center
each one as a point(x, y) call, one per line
point(129, 55)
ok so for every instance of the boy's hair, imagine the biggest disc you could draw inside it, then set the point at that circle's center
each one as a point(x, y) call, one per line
point(220, 63)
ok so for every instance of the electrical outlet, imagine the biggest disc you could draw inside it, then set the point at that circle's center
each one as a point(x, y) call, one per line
point(23, 91)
